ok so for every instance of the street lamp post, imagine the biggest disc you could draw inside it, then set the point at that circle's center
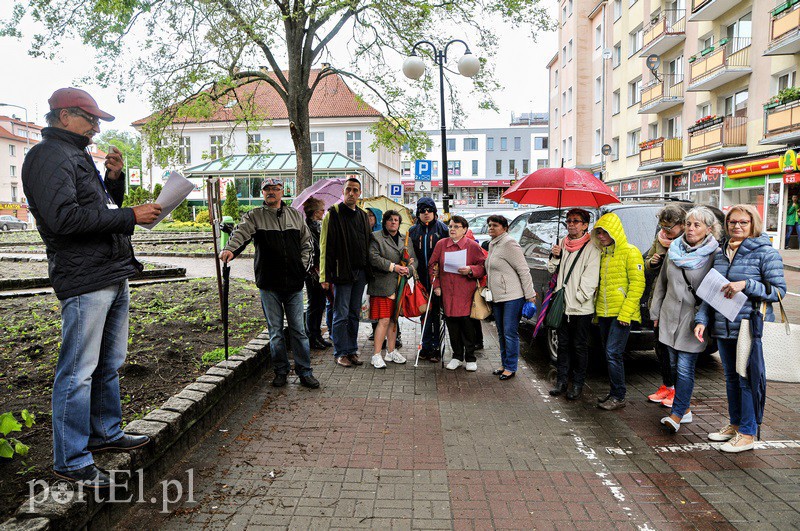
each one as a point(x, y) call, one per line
point(414, 68)
point(27, 126)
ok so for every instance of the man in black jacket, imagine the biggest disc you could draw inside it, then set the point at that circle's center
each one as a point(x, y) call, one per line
point(87, 236)
point(344, 262)
point(284, 249)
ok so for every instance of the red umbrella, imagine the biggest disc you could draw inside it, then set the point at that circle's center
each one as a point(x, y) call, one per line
point(561, 187)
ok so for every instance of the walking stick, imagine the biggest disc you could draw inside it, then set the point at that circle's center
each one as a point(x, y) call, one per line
point(223, 274)
point(424, 323)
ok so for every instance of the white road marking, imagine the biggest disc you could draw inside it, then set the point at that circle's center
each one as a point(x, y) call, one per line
point(705, 446)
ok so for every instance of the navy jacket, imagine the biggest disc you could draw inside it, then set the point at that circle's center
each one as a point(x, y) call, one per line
point(757, 262)
point(424, 237)
point(88, 244)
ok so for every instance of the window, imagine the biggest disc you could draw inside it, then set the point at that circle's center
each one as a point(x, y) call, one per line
point(633, 142)
point(474, 168)
point(451, 144)
point(634, 42)
point(569, 50)
point(470, 144)
point(13, 193)
point(786, 80)
point(512, 165)
point(13, 171)
point(652, 131)
point(706, 42)
point(569, 99)
point(564, 148)
point(598, 89)
point(615, 148)
point(405, 168)
point(317, 142)
point(215, 143)
point(632, 2)
point(253, 144)
point(498, 167)
point(564, 56)
point(597, 142)
point(185, 150)
point(672, 127)
point(617, 9)
point(563, 103)
point(542, 163)
point(503, 143)
point(540, 142)
point(569, 5)
point(435, 169)
point(555, 157)
point(12, 150)
point(616, 55)
point(598, 37)
point(740, 33)
point(569, 148)
point(454, 167)
point(675, 69)
point(736, 105)
point(517, 143)
point(563, 14)
point(634, 92)
point(555, 78)
point(526, 167)
point(25, 152)
point(615, 102)
point(703, 109)
point(354, 145)
point(555, 118)
point(490, 142)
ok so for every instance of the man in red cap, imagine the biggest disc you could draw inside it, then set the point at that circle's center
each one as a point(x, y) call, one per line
point(87, 233)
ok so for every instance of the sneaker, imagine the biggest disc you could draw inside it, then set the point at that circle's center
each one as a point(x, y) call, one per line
point(667, 402)
point(395, 357)
point(472, 366)
point(659, 395)
point(671, 425)
point(602, 399)
point(612, 403)
point(377, 362)
point(454, 364)
point(687, 418)
point(725, 434)
point(739, 443)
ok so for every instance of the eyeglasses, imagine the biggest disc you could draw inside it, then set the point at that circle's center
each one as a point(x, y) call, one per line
point(456, 226)
point(274, 188)
point(667, 229)
point(575, 221)
point(741, 223)
point(93, 120)
point(425, 210)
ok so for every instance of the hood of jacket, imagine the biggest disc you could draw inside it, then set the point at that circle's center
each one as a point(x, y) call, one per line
point(426, 202)
point(751, 244)
point(610, 223)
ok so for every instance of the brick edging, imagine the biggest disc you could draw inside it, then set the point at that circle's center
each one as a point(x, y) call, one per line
point(171, 426)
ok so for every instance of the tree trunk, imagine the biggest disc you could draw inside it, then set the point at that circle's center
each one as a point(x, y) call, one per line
point(301, 137)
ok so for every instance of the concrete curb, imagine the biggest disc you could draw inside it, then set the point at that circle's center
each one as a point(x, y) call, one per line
point(177, 425)
point(9, 284)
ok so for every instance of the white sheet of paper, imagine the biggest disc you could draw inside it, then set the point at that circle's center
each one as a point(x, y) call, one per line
point(710, 291)
point(175, 190)
point(453, 260)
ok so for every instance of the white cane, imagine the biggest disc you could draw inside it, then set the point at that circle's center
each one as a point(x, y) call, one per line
point(425, 322)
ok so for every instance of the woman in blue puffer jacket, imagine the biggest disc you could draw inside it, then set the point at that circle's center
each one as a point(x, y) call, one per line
point(750, 263)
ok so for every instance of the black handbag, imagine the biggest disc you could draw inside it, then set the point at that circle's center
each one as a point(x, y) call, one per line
point(558, 304)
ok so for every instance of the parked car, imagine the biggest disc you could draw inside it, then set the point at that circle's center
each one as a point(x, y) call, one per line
point(479, 226)
point(539, 229)
point(10, 222)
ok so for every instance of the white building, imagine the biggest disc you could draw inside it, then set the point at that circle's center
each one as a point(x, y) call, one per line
point(16, 138)
point(340, 122)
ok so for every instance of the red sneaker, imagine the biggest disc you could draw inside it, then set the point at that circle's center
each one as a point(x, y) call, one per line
point(667, 402)
point(659, 395)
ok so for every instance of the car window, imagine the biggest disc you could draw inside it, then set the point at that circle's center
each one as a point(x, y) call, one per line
point(479, 225)
point(640, 225)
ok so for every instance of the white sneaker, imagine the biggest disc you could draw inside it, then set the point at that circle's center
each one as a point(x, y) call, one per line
point(377, 362)
point(739, 443)
point(454, 364)
point(687, 418)
point(395, 357)
point(725, 434)
point(472, 366)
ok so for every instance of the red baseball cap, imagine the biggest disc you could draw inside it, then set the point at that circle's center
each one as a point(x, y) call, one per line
point(73, 97)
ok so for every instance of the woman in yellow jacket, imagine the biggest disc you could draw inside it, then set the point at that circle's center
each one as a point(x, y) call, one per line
point(617, 305)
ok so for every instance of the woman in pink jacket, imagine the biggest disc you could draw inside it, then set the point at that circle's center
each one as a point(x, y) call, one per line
point(457, 289)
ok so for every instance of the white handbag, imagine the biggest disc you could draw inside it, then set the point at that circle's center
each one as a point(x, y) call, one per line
point(781, 345)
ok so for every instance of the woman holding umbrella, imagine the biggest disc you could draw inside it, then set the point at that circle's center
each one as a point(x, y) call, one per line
point(753, 267)
point(390, 257)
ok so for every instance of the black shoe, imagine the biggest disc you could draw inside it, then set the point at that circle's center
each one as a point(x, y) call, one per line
point(126, 443)
point(559, 389)
point(602, 399)
point(613, 403)
point(498, 372)
point(280, 380)
point(88, 476)
point(398, 343)
point(507, 376)
point(575, 393)
point(308, 380)
point(326, 344)
point(318, 344)
point(479, 346)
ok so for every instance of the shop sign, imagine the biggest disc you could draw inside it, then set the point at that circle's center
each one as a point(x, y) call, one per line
point(650, 186)
point(630, 188)
point(791, 178)
point(758, 167)
point(789, 161)
point(716, 170)
point(12, 206)
point(701, 179)
point(680, 183)
point(614, 187)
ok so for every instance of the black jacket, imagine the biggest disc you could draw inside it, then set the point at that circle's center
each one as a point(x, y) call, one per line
point(88, 243)
point(424, 237)
point(334, 263)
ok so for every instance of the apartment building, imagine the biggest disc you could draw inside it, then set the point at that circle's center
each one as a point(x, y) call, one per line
point(717, 120)
point(482, 163)
point(341, 123)
point(16, 138)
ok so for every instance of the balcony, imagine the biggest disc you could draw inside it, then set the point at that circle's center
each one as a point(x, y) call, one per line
point(729, 61)
point(781, 123)
point(710, 9)
point(784, 37)
point(661, 154)
point(720, 137)
point(664, 32)
point(659, 96)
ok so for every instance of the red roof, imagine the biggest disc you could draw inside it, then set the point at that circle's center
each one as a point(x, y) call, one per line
point(331, 99)
point(8, 135)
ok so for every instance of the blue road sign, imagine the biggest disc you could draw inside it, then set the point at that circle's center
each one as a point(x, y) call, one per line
point(423, 169)
point(396, 190)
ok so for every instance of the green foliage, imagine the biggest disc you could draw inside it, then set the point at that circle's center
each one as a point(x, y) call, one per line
point(10, 446)
point(231, 205)
point(218, 354)
point(203, 217)
point(157, 190)
point(181, 212)
point(789, 94)
point(129, 144)
point(137, 195)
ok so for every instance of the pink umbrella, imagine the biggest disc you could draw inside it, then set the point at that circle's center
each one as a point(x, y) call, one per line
point(561, 187)
point(329, 191)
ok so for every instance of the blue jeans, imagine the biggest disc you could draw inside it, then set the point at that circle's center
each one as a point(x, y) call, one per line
point(614, 337)
point(507, 316)
point(346, 311)
point(741, 411)
point(789, 229)
point(86, 406)
point(682, 364)
point(274, 304)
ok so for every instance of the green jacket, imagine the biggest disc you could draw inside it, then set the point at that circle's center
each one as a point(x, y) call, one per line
point(621, 273)
point(791, 215)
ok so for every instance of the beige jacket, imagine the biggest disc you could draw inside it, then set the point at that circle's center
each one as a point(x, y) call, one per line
point(582, 286)
point(509, 277)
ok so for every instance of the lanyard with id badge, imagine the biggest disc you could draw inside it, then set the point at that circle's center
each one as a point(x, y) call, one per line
point(110, 204)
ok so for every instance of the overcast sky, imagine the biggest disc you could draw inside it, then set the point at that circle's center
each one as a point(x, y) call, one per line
point(520, 68)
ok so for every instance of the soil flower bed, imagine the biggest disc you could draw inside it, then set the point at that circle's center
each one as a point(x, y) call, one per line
point(175, 334)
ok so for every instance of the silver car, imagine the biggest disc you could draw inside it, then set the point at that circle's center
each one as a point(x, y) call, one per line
point(10, 222)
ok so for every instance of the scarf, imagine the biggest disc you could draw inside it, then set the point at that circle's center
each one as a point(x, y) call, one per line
point(663, 239)
point(572, 246)
point(685, 256)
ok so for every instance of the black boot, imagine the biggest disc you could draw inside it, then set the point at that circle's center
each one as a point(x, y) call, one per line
point(576, 392)
point(559, 389)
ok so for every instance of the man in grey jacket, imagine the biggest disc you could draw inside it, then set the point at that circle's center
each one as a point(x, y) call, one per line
point(284, 248)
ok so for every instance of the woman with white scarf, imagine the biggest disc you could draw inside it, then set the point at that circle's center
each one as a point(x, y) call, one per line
point(689, 258)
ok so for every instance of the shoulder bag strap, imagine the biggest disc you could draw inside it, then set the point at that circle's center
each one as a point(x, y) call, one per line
point(697, 299)
point(574, 263)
